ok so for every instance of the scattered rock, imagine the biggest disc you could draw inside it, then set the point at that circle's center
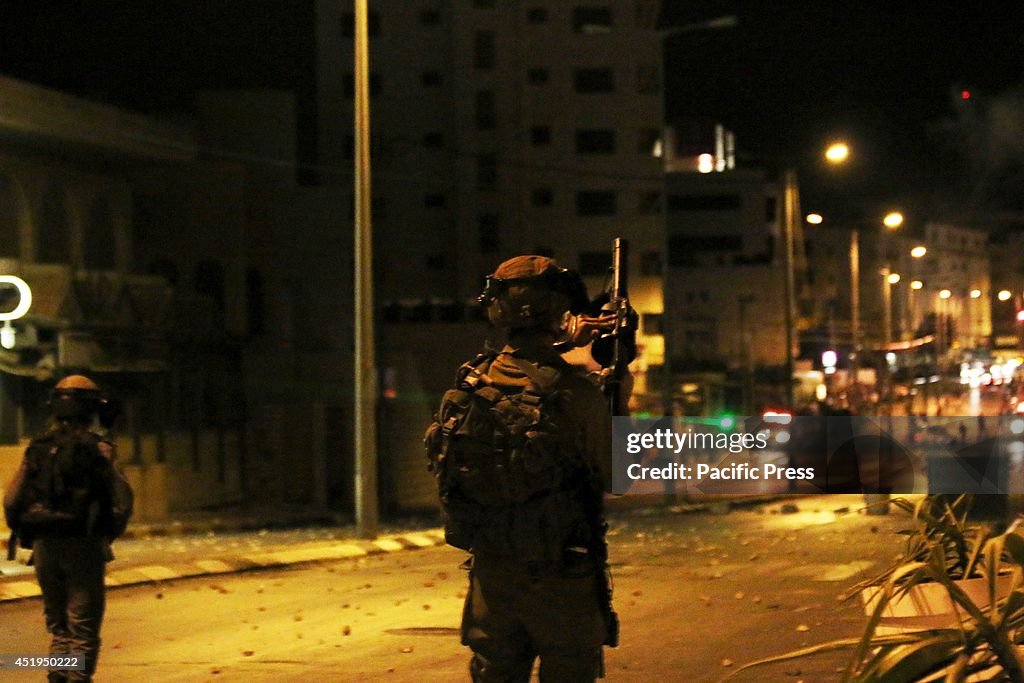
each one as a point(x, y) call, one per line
point(159, 596)
point(346, 630)
point(248, 653)
point(803, 628)
point(426, 607)
point(726, 662)
point(739, 595)
point(789, 508)
point(406, 650)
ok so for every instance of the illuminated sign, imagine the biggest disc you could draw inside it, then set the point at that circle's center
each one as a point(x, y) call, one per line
point(24, 300)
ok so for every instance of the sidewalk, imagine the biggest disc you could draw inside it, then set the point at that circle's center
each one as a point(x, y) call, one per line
point(253, 540)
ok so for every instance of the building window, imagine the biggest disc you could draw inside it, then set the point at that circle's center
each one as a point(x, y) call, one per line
point(594, 263)
point(706, 202)
point(594, 80)
point(649, 203)
point(99, 245)
point(650, 263)
point(483, 50)
point(542, 196)
point(487, 230)
point(648, 142)
point(650, 323)
point(647, 14)
point(683, 249)
point(486, 116)
point(10, 230)
point(647, 82)
point(486, 171)
point(537, 15)
point(434, 201)
point(591, 19)
point(255, 302)
point(595, 141)
point(350, 85)
point(596, 203)
point(430, 17)
point(348, 24)
point(538, 75)
point(432, 79)
point(208, 280)
point(540, 136)
point(433, 139)
point(53, 236)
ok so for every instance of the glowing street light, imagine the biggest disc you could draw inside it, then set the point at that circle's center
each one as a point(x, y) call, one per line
point(916, 284)
point(945, 293)
point(1004, 295)
point(837, 153)
point(893, 220)
point(815, 218)
point(975, 293)
point(894, 278)
point(919, 251)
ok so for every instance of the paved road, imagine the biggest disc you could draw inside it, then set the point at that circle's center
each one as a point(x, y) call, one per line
point(698, 594)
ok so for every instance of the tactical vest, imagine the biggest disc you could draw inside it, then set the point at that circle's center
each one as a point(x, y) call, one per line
point(64, 493)
point(512, 479)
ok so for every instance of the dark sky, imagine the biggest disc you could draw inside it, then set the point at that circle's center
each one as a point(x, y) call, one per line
point(884, 75)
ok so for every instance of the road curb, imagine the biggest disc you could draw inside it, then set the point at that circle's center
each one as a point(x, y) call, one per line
point(19, 589)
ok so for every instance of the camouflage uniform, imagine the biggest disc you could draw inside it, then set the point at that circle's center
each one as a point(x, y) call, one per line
point(516, 612)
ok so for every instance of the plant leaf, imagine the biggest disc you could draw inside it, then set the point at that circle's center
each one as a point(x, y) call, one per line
point(910, 662)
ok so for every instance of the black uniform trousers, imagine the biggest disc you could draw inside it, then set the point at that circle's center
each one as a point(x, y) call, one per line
point(70, 573)
point(511, 618)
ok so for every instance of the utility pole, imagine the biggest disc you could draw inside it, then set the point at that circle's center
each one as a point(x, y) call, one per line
point(790, 204)
point(365, 376)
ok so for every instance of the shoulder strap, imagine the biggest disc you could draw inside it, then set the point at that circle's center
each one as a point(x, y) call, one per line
point(544, 378)
point(474, 373)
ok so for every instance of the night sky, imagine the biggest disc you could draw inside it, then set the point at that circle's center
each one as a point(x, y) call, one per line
point(887, 76)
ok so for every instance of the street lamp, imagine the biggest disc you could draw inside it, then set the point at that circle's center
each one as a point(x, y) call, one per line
point(893, 220)
point(919, 251)
point(837, 152)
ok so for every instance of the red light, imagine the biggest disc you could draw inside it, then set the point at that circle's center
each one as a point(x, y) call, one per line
point(965, 94)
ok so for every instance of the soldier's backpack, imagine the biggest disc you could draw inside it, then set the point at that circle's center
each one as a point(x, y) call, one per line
point(510, 478)
point(68, 489)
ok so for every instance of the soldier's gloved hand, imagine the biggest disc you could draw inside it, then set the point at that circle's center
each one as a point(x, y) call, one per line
point(584, 328)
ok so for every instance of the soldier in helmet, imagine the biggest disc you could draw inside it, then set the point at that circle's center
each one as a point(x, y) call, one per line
point(527, 503)
point(67, 502)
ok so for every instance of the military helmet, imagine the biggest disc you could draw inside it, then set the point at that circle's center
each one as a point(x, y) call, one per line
point(75, 396)
point(532, 291)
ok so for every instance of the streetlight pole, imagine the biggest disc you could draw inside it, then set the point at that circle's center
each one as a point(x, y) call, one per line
point(791, 207)
point(854, 304)
point(366, 503)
